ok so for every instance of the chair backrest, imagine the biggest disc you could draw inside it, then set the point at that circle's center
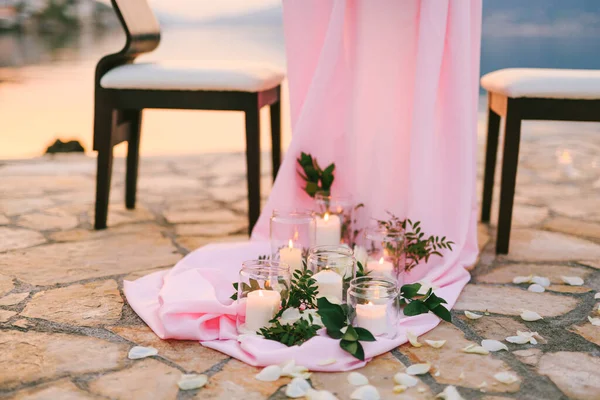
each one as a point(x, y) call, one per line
point(140, 24)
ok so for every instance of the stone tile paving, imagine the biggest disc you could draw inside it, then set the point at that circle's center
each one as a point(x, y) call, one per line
point(65, 327)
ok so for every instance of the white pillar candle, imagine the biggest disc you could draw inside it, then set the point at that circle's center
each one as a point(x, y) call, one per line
point(329, 230)
point(261, 307)
point(381, 268)
point(372, 317)
point(329, 284)
point(291, 256)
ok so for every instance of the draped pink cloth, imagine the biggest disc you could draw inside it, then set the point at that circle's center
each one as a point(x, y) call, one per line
point(387, 90)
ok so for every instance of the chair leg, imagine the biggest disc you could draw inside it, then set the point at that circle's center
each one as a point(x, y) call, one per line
point(493, 130)
point(253, 163)
point(276, 135)
point(134, 117)
point(103, 127)
point(510, 160)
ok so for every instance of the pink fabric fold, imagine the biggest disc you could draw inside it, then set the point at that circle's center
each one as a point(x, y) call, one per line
point(388, 91)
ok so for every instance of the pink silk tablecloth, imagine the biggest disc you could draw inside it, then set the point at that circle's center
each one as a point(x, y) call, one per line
point(387, 90)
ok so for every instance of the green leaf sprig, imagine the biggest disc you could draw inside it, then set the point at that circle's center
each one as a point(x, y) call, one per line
point(422, 304)
point(291, 335)
point(316, 178)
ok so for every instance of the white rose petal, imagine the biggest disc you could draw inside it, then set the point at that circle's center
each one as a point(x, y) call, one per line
point(357, 379)
point(327, 361)
point(316, 318)
point(421, 390)
point(413, 339)
point(298, 387)
point(290, 316)
point(418, 369)
point(288, 367)
point(437, 373)
point(399, 389)
point(522, 279)
point(541, 280)
point(450, 393)
point(572, 280)
point(137, 352)
point(594, 321)
point(269, 374)
point(462, 375)
point(312, 394)
point(472, 315)
point(536, 288)
point(366, 392)
point(192, 381)
point(517, 339)
point(436, 344)
point(474, 349)
point(530, 316)
point(405, 380)
point(597, 296)
point(506, 378)
point(493, 345)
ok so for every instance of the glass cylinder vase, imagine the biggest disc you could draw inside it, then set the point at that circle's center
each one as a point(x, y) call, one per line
point(374, 304)
point(333, 267)
point(292, 236)
point(334, 218)
point(262, 286)
point(385, 253)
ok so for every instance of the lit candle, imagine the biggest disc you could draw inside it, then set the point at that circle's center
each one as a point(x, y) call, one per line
point(329, 284)
point(261, 307)
point(291, 256)
point(372, 317)
point(381, 268)
point(329, 230)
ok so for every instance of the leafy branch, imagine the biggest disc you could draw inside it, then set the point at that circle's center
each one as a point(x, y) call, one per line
point(291, 335)
point(316, 178)
point(417, 304)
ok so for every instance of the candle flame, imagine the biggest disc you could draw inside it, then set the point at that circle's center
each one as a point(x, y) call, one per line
point(295, 235)
point(381, 260)
point(369, 304)
point(291, 244)
point(326, 217)
point(565, 158)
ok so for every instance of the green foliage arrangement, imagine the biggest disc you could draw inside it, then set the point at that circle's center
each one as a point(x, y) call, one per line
point(316, 178)
point(291, 335)
point(422, 304)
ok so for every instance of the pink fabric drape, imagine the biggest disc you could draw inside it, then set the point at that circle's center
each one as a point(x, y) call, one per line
point(388, 91)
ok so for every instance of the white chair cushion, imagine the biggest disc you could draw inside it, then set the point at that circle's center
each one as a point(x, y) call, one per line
point(544, 83)
point(213, 76)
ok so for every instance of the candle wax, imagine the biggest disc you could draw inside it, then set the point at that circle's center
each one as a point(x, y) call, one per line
point(381, 267)
point(329, 284)
point(292, 257)
point(372, 317)
point(261, 307)
point(329, 230)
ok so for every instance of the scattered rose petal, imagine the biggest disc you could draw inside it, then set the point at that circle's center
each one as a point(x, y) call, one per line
point(536, 288)
point(413, 339)
point(288, 367)
point(517, 339)
point(472, 315)
point(437, 373)
point(312, 394)
point(357, 379)
point(493, 345)
point(137, 352)
point(405, 380)
point(316, 318)
point(327, 361)
point(269, 374)
point(506, 378)
point(530, 316)
point(418, 369)
point(522, 279)
point(297, 388)
point(436, 344)
point(462, 375)
point(290, 316)
point(597, 296)
point(541, 280)
point(366, 392)
point(572, 280)
point(421, 390)
point(594, 321)
point(399, 389)
point(192, 381)
point(474, 349)
point(450, 393)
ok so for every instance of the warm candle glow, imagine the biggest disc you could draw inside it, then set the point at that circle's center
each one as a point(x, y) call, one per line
point(381, 261)
point(260, 293)
point(565, 158)
point(291, 244)
point(326, 217)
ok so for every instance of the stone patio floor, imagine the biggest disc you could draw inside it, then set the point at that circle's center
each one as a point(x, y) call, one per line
point(65, 327)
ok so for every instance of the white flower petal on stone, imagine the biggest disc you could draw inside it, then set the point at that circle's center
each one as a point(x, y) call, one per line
point(269, 374)
point(572, 280)
point(357, 379)
point(290, 316)
point(506, 378)
point(399, 389)
point(522, 279)
point(536, 288)
point(405, 380)
point(437, 373)
point(327, 361)
point(298, 387)
point(366, 392)
point(597, 296)
point(418, 369)
point(462, 375)
point(474, 349)
point(472, 315)
point(541, 280)
point(449, 393)
point(137, 352)
point(517, 339)
point(413, 339)
point(493, 345)
point(594, 321)
point(436, 344)
point(288, 367)
point(421, 390)
point(192, 381)
point(530, 316)
point(312, 394)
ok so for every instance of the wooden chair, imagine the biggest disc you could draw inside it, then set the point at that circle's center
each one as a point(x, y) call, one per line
point(124, 88)
point(529, 94)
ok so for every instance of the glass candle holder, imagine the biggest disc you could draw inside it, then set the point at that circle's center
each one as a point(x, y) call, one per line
point(374, 305)
point(333, 268)
point(262, 286)
point(292, 236)
point(334, 218)
point(385, 253)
